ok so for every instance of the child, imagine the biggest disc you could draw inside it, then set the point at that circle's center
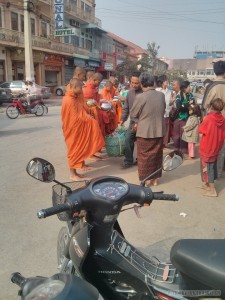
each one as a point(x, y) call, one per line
point(190, 134)
point(213, 134)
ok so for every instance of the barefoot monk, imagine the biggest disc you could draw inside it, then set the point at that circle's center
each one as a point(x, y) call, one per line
point(82, 134)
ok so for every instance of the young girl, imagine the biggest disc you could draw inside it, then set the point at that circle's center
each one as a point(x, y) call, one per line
point(213, 135)
point(190, 133)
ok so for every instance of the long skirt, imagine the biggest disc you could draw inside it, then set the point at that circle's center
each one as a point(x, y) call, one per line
point(167, 131)
point(149, 157)
point(179, 144)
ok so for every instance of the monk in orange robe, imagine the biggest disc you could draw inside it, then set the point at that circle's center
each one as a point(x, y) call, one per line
point(90, 91)
point(82, 134)
point(108, 93)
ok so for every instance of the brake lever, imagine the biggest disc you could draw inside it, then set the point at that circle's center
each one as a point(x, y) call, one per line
point(136, 209)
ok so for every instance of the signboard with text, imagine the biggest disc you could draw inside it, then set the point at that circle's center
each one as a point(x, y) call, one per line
point(65, 32)
point(59, 14)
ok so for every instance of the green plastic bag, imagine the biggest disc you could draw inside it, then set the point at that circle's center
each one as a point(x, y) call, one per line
point(115, 142)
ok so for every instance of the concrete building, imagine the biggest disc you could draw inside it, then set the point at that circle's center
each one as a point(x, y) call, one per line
point(54, 57)
point(196, 69)
point(209, 54)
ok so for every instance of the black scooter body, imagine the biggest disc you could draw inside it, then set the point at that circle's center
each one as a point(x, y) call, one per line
point(117, 269)
point(72, 286)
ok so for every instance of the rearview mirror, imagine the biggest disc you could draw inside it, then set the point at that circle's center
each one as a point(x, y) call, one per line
point(41, 169)
point(172, 160)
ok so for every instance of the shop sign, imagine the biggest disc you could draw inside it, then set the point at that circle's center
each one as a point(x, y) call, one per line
point(54, 59)
point(93, 64)
point(65, 32)
point(52, 68)
point(59, 14)
point(109, 67)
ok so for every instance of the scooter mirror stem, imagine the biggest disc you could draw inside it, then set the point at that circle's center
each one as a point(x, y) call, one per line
point(68, 189)
point(142, 183)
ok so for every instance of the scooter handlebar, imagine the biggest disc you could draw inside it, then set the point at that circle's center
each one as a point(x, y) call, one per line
point(170, 197)
point(44, 213)
point(18, 279)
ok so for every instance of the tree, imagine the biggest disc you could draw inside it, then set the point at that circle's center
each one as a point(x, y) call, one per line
point(174, 74)
point(153, 50)
point(125, 69)
point(143, 64)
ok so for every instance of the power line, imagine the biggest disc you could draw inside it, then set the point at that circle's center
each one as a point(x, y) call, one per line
point(172, 14)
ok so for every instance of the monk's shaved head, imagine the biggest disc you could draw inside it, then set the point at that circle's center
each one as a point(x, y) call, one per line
point(76, 86)
point(75, 82)
point(90, 75)
point(79, 73)
point(97, 76)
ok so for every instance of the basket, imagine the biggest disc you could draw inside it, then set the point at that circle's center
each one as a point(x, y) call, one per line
point(115, 143)
point(59, 194)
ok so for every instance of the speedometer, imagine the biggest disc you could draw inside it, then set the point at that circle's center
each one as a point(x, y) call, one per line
point(110, 190)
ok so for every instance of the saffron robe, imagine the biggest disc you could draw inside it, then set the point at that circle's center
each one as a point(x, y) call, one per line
point(109, 95)
point(82, 134)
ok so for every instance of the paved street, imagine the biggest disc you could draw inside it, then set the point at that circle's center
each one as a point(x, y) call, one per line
point(28, 245)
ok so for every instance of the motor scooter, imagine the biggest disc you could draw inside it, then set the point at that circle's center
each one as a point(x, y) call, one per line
point(20, 106)
point(94, 248)
point(56, 287)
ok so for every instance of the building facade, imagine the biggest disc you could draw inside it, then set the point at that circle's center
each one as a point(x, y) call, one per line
point(54, 57)
point(197, 69)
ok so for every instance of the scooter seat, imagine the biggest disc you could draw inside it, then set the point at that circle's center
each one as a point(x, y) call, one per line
point(201, 260)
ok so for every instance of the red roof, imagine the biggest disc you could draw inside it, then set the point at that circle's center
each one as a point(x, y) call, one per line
point(135, 49)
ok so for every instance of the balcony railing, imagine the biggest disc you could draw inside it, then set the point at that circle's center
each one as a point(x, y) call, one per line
point(98, 22)
point(79, 13)
point(15, 39)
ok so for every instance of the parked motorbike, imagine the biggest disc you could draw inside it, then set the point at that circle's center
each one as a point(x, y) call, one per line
point(93, 246)
point(56, 287)
point(20, 106)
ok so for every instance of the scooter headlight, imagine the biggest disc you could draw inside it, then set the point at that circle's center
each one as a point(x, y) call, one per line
point(47, 290)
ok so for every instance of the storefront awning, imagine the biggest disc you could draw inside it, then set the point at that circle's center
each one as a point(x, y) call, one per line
point(93, 26)
point(79, 62)
point(93, 63)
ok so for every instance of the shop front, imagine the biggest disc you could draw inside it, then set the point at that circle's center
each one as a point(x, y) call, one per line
point(2, 64)
point(53, 70)
point(107, 67)
point(86, 63)
point(18, 65)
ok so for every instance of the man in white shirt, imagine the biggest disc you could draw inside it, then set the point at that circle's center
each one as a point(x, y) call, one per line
point(162, 84)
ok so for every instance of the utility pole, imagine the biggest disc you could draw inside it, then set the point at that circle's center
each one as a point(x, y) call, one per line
point(29, 64)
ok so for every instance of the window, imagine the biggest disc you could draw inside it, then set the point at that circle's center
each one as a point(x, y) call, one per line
point(0, 17)
point(73, 3)
point(6, 85)
point(75, 40)
point(14, 21)
point(89, 45)
point(88, 9)
point(22, 23)
point(66, 40)
point(16, 84)
point(43, 29)
point(32, 25)
point(2, 72)
point(82, 42)
point(82, 6)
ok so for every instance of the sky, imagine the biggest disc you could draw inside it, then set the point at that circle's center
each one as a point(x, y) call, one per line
point(177, 26)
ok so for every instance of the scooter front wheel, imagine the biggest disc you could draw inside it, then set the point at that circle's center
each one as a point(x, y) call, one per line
point(39, 110)
point(12, 112)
